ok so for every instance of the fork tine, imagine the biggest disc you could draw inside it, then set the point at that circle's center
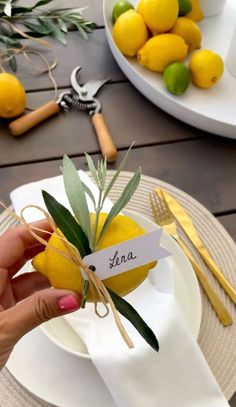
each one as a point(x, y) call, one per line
point(164, 204)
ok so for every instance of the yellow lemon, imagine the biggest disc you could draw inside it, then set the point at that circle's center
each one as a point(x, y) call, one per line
point(162, 50)
point(196, 14)
point(130, 32)
point(189, 31)
point(63, 274)
point(206, 68)
point(140, 6)
point(159, 15)
point(12, 96)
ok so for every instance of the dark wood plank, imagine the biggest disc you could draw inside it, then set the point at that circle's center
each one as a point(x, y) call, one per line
point(233, 401)
point(92, 12)
point(229, 222)
point(129, 117)
point(90, 55)
point(203, 168)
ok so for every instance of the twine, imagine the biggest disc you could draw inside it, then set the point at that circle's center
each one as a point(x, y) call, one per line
point(72, 254)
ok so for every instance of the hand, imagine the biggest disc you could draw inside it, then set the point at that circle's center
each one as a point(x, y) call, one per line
point(26, 300)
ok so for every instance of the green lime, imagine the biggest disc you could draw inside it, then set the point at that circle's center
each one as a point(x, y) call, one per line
point(177, 78)
point(185, 7)
point(119, 8)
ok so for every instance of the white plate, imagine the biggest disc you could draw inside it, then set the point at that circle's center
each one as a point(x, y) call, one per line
point(211, 110)
point(36, 362)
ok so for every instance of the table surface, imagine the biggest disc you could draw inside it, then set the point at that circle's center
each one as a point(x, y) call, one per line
point(197, 162)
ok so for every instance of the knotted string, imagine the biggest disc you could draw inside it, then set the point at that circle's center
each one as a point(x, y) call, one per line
point(72, 254)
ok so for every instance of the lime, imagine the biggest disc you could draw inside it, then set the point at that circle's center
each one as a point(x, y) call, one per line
point(177, 78)
point(119, 8)
point(185, 7)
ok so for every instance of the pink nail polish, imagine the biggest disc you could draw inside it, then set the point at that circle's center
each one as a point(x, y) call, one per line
point(68, 303)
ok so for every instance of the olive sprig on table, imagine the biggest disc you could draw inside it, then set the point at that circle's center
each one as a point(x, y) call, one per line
point(38, 23)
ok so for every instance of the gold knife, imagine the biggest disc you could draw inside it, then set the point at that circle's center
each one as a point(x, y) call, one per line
point(186, 223)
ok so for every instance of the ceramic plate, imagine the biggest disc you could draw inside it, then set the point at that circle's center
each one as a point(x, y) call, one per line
point(36, 361)
point(197, 107)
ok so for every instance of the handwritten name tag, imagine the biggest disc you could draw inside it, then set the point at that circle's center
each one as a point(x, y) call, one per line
point(127, 255)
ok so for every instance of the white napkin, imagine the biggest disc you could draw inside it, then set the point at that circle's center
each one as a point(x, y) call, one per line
point(177, 375)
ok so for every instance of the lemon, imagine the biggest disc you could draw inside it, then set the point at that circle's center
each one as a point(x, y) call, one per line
point(121, 7)
point(159, 15)
point(12, 96)
point(130, 33)
point(196, 14)
point(64, 274)
point(161, 50)
point(189, 31)
point(177, 78)
point(206, 68)
point(185, 7)
point(140, 6)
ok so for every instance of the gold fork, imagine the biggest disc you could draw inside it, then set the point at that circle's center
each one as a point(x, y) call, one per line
point(165, 219)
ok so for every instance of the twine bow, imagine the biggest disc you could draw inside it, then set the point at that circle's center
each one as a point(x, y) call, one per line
point(72, 254)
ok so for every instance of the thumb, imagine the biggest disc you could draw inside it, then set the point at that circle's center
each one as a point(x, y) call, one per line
point(38, 308)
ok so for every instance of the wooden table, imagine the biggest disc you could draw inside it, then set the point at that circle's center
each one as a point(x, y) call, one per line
point(199, 163)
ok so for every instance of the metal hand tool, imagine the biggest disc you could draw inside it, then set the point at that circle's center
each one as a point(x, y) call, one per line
point(81, 98)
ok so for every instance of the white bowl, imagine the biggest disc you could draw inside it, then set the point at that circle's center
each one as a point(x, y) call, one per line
point(212, 8)
point(172, 275)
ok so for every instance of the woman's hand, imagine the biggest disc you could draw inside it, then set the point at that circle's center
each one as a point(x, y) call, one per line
point(26, 300)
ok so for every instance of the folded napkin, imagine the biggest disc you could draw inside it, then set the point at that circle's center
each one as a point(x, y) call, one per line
point(177, 375)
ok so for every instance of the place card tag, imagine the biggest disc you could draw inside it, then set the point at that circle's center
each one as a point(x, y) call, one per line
point(126, 255)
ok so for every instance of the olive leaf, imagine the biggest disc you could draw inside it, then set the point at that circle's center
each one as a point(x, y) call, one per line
point(122, 201)
point(125, 309)
point(67, 224)
point(75, 192)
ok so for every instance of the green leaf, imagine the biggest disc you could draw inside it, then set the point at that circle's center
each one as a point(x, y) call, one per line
point(76, 195)
point(89, 193)
point(41, 3)
point(125, 309)
point(55, 29)
point(7, 8)
point(62, 25)
point(67, 224)
point(120, 168)
point(38, 28)
point(122, 201)
point(12, 60)
point(92, 167)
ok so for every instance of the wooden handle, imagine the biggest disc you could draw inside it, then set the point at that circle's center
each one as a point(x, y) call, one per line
point(104, 138)
point(28, 121)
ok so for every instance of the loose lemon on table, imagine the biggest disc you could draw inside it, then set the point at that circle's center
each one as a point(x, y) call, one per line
point(63, 274)
point(206, 68)
point(161, 50)
point(130, 33)
point(159, 15)
point(121, 7)
point(12, 96)
point(185, 7)
point(189, 31)
point(196, 14)
point(177, 78)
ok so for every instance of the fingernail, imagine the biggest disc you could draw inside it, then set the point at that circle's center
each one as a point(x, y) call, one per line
point(68, 303)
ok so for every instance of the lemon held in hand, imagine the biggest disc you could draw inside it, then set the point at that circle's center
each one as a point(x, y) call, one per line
point(162, 50)
point(159, 15)
point(63, 274)
point(206, 68)
point(130, 33)
point(121, 7)
point(177, 78)
point(12, 96)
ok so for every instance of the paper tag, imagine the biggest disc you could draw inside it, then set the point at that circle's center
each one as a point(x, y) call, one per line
point(126, 255)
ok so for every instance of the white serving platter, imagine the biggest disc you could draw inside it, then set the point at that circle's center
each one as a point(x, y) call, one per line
point(212, 110)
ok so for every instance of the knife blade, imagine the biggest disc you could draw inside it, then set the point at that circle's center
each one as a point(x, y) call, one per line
point(187, 225)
